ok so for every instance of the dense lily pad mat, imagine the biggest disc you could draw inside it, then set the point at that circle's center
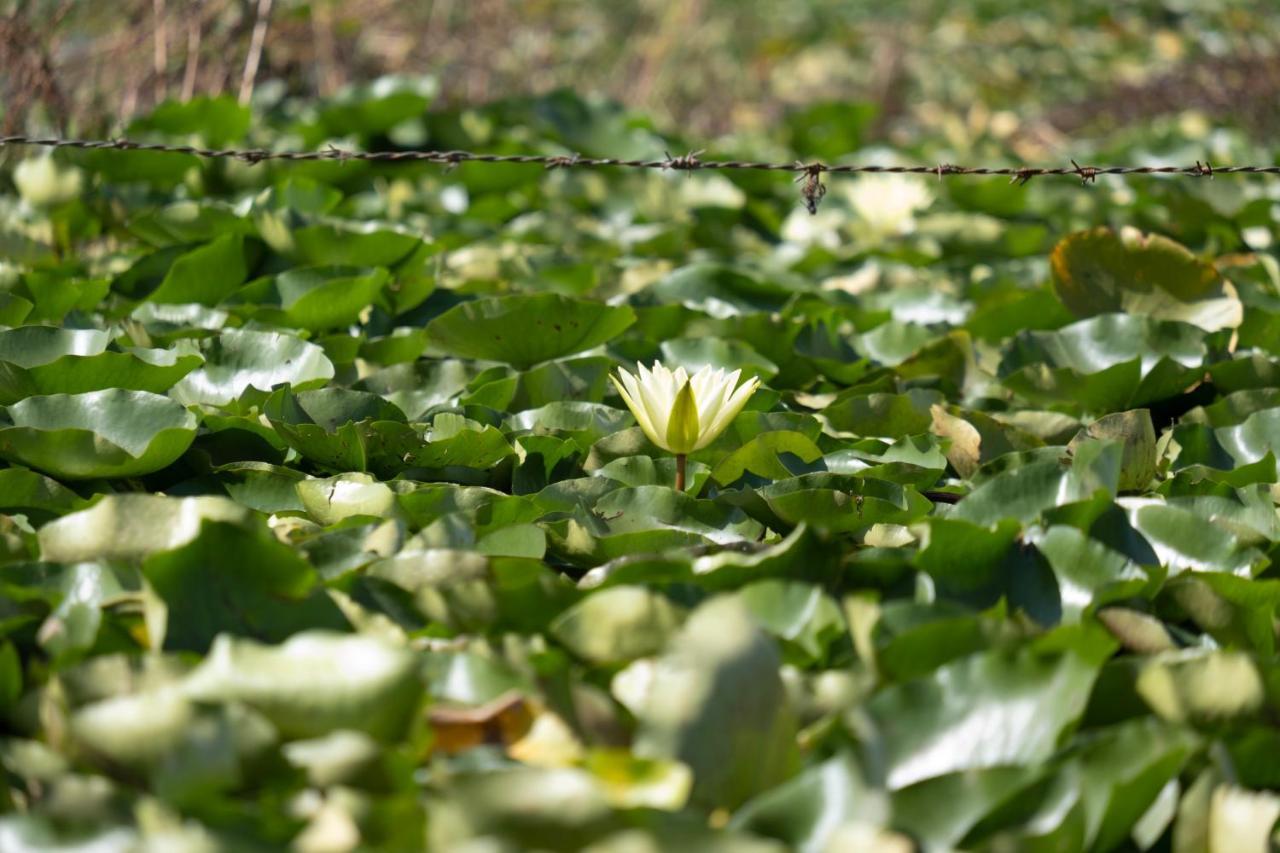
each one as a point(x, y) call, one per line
point(322, 524)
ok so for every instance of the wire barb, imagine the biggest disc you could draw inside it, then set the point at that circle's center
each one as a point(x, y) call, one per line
point(1022, 177)
point(340, 154)
point(564, 161)
point(1088, 174)
point(813, 189)
point(688, 162)
point(1203, 170)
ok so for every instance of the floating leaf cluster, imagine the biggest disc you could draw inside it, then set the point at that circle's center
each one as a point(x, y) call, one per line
point(322, 524)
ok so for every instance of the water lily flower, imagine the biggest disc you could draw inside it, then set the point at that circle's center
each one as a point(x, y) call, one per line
point(887, 204)
point(43, 182)
point(682, 413)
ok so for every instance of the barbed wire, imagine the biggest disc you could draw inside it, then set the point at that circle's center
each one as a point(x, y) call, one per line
point(810, 174)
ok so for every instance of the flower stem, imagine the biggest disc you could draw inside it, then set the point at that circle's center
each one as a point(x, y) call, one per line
point(681, 459)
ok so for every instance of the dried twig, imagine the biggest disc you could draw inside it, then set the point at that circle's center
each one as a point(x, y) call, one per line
point(255, 50)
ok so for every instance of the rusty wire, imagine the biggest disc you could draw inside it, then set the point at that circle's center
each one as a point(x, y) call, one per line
point(809, 174)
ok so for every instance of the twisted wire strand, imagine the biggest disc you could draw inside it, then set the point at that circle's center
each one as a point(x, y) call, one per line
point(810, 174)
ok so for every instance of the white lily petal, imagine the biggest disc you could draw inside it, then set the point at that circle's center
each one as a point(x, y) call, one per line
point(719, 395)
point(706, 389)
point(629, 389)
point(728, 412)
point(657, 402)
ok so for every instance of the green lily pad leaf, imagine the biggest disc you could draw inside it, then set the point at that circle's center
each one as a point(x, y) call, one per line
point(454, 441)
point(976, 437)
point(831, 502)
point(1026, 491)
point(892, 343)
point(714, 692)
point(1187, 541)
point(75, 595)
point(56, 294)
point(1202, 686)
point(328, 241)
point(230, 579)
point(912, 640)
point(129, 527)
point(217, 121)
point(402, 345)
point(165, 324)
point(188, 222)
point(13, 308)
point(418, 387)
point(719, 290)
point(525, 330)
point(156, 731)
point(1106, 363)
point(204, 276)
point(35, 495)
point(466, 591)
point(647, 471)
point(1101, 271)
point(1089, 573)
point(110, 433)
point(1122, 772)
point(805, 812)
point(617, 625)
point(262, 486)
point(542, 808)
point(453, 588)
point(342, 430)
point(983, 711)
point(1234, 611)
point(335, 499)
point(40, 360)
point(960, 555)
point(761, 456)
point(882, 415)
point(370, 685)
point(570, 380)
point(376, 107)
point(651, 507)
point(695, 353)
point(543, 459)
point(830, 353)
point(827, 131)
point(804, 617)
point(315, 298)
point(160, 169)
point(585, 423)
point(1136, 435)
point(226, 439)
point(1251, 440)
point(802, 555)
point(426, 503)
point(239, 359)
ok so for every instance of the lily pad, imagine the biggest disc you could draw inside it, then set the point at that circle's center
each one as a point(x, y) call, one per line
point(342, 430)
point(1101, 271)
point(239, 359)
point(38, 360)
point(525, 330)
point(110, 433)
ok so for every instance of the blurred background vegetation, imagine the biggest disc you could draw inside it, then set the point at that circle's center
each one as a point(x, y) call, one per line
point(1033, 75)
